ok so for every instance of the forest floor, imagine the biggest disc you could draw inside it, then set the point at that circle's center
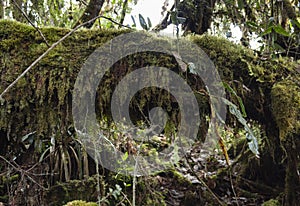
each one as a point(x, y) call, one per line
point(211, 182)
point(202, 177)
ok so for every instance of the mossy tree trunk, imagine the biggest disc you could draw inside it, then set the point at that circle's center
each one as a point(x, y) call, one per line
point(41, 101)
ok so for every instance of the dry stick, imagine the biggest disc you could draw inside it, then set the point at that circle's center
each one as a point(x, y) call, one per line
point(51, 48)
point(23, 172)
point(26, 17)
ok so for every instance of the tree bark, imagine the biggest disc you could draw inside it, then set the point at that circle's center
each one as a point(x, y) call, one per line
point(2, 10)
point(123, 13)
point(92, 10)
point(198, 15)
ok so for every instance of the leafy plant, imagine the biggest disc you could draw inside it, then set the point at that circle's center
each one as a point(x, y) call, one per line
point(252, 140)
point(145, 25)
point(66, 158)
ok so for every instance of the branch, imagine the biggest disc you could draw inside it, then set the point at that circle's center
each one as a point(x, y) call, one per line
point(51, 48)
point(27, 18)
point(165, 22)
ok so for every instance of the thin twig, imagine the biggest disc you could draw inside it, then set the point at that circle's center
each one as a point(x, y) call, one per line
point(126, 198)
point(113, 21)
point(232, 187)
point(23, 172)
point(51, 48)
point(26, 17)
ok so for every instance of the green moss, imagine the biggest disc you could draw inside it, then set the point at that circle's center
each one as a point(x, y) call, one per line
point(44, 90)
point(179, 178)
point(286, 107)
point(62, 193)
point(271, 202)
point(40, 98)
point(81, 203)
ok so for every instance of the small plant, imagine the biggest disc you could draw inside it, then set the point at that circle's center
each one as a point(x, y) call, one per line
point(64, 157)
point(145, 25)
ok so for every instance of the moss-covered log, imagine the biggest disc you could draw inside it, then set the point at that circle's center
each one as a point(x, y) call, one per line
point(41, 101)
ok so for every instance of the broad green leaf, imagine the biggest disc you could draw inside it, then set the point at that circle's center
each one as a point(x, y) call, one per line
point(233, 109)
point(267, 31)
point(279, 30)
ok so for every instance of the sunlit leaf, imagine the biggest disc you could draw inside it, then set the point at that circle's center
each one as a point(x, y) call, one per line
point(125, 156)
